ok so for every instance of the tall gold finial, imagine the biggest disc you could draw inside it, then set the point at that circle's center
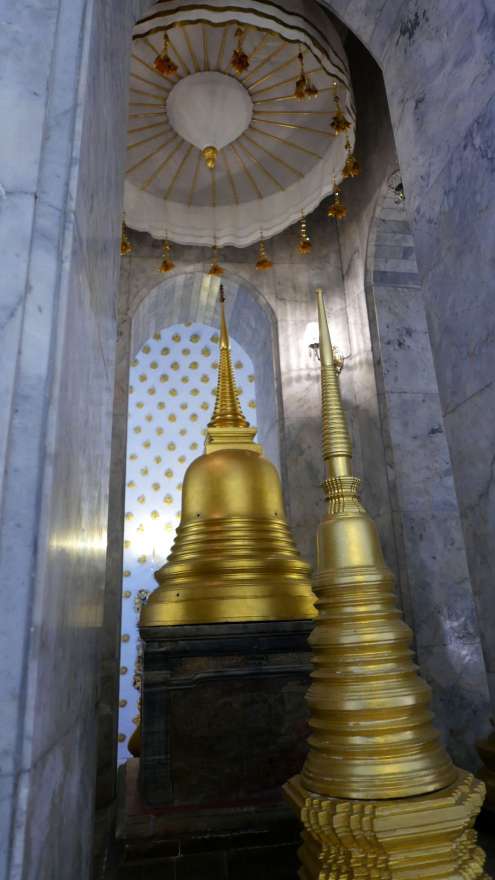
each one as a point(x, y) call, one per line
point(378, 795)
point(228, 427)
point(337, 447)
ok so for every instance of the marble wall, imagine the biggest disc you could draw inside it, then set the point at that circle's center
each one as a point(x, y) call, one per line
point(437, 63)
point(59, 244)
point(63, 90)
point(395, 373)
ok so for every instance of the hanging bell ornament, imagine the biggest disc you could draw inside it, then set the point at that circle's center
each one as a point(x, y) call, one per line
point(163, 62)
point(337, 209)
point(125, 245)
point(300, 90)
point(239, 60)
point(167, 263)
point(215, 269)
point(304, 246)
point(305, 88)
point(351, 167)
point(339, 123)
point(263, 262)
point(311, 91)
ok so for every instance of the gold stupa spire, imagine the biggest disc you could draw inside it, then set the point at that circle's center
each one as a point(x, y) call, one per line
point(234, 558)
point(337, 447)
point(378, 795)
point(228, 428)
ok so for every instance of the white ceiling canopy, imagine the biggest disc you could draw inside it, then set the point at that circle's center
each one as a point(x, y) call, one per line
point(274, 156)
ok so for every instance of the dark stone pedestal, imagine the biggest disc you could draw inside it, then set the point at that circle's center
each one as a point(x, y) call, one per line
point(224, 727)
point(224, 714)
point(205, 843)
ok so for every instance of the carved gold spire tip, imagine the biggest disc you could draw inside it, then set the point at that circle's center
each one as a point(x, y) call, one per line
point(228, 427)
point(337, 447)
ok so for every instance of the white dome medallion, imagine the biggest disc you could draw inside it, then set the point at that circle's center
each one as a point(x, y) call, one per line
point(209, 109)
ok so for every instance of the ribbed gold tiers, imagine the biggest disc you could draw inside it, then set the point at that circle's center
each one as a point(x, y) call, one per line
point(378, 795)
point(234, 558)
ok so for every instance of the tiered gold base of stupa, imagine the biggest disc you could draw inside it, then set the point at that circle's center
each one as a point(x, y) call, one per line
point(429, 837)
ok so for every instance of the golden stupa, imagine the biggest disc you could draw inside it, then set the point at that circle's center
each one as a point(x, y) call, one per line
point(378, 796)
point(233, 559)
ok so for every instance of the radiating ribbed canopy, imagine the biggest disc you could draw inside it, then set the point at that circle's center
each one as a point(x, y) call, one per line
point(276, 155)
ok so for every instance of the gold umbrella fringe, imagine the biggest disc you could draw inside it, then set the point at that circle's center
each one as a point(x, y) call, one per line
point(263, 262)
point(167, 263)
point(305, 88)
point(340, 122)
point(215, 269)
point(163, 62)
point(351, 167)
point(239, 60)
point(337, 209)
point(304, 245)
point(125, 245)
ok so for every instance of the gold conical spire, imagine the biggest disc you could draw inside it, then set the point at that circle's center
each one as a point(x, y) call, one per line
point(228, 428)
point(227, 412)
point(372, 732)
point(337, 447)
point(378, 795)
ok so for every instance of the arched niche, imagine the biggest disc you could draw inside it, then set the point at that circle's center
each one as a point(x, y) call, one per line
point(193, 296)
point(184, 297)
point(59, 297)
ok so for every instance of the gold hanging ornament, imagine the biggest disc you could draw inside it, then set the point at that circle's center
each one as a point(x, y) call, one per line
point(339, 123)
point(351, 167)
point(167, 263)
point(263, 262)
point(125, 245)
point(163, 62)
point(239, 60)
point(337, 209)
point(215, 269)
point(304, 246)
point(305, 88)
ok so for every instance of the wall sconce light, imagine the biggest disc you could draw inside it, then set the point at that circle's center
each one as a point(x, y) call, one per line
point(311, 338)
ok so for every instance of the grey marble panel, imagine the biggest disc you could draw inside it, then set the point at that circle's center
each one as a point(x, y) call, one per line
point(425, 86)
point(305, 475)
point(421, 455)
point(26, 47)
point(404, 341)
point(460, 708)
point(16, 219)
point(474, 461)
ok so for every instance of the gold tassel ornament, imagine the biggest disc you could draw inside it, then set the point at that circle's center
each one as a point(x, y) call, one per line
point(263, 262)
point(305, 88)
point(239, 60)
point(215, 269)
point(351, 167)
point(167, 263)
point(125, 245)
point(304, 246)
point(163, 62)
point(337, 209)
point(339, 122)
